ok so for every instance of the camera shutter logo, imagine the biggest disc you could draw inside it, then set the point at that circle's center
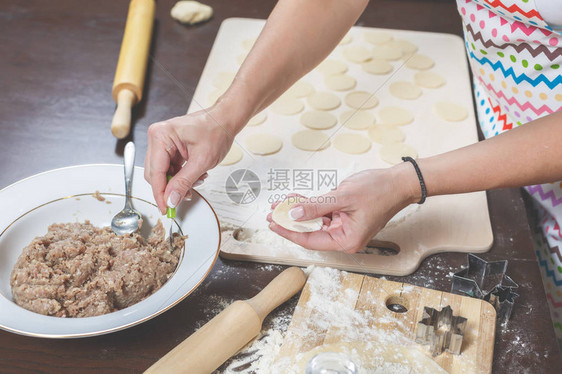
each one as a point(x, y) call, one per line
point(243, 186)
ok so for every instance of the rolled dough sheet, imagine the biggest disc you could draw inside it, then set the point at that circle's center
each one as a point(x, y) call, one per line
point(287, 105)
point(405, 90)
point(361, 100)
point(331, 66)
point(420, 62)
point(357, 119)
point(300, 89)
point(450, 111)
point(258, 119)
point(352, 143)
point(386, 52)
point(263, 144)
point(377, 67)
point(357, 54)
point(340, 82)
point(384, 134)
point(395, 116)
point(318, 120)
point(281, 216)
point(310, 140)
point(393, 152)
point(323, 101)
point(429, 79)
point(377, 37)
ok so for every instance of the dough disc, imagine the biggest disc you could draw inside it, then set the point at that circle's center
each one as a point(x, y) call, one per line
point(281, 216)
point(407, 47)
point(393, 152)
point(324, 101)
point(386, 134)
point(395, 116)
point(385, 52)
point(224, 79)
point(318, 120)
point(357, 54)
point(247, 44)
point(310, 140)
point(258, 119)
point(377, 37)
point(300, 89)
point(233, 156)
point(329, 67)
point(361, 100)
point(405, 90)
point(450, 111)
point(287, 105)
point(263, 144)
point(340, 82)
point(378, 67)
point(420, 62)
point(357, 119)
point(346, 39)
point(429, 79)
point(352, 143)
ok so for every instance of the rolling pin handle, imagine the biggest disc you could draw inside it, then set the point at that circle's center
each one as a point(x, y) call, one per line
point(121, 124)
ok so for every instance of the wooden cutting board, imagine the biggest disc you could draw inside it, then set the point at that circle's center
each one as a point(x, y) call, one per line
point(368, 295)
point(444, 223)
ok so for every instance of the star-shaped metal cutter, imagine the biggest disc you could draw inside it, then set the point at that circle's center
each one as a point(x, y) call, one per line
point(441, 330)
point(488, 281)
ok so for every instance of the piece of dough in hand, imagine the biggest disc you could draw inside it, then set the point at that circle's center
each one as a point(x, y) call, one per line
point(281, 217)
point(191, 12)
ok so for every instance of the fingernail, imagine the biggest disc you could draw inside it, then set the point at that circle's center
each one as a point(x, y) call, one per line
point(173, 199)
point(188, 196)
point(296, 213)
point(198, 183)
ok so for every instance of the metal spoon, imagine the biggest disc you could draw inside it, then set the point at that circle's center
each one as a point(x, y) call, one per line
point(127, 220)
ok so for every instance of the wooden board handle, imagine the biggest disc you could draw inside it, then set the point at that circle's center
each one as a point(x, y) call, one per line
point(220, 338)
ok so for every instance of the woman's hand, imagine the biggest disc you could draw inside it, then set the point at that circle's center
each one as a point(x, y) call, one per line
point(358, 209)
point(185, 147)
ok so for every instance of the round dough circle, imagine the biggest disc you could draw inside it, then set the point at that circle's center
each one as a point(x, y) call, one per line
point(420, 62)
point(240, 58)
point(405, 90)
point(429, 79)
point(300, 89)
point(247, 44)
point(214, 96)
point(383, 134)
point(450, 111)
point(352, 143)
point(357, 54)
point(395, 116)
point(357, 119)
point(281, 217)
point(385, 52)
point(378, 67)
point(377, 37)
point(310, 140)
point(340, 82)
point(263, 144)
point(318, 120)
point(258, 119)
point(329, 67)
point(407, 47)
point(233, 156)
point(287, 105)
point(323, 101)
point(393, 152)
point(361, 100)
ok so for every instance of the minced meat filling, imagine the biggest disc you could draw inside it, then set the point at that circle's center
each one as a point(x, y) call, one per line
point(79, 270)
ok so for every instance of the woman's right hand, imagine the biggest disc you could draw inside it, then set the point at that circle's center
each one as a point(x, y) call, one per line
point(185, 147)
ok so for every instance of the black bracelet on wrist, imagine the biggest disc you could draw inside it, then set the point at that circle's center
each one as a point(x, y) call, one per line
point(420, 177)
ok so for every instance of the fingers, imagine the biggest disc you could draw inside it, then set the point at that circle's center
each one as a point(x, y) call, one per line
point(316, 207)
point(180, 185)
point(317, 240)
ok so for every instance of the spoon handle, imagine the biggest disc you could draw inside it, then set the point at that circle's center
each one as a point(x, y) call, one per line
point(129, 163)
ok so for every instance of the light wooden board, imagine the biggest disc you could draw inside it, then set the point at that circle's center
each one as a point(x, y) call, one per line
point(445, 223)
point(372, 295)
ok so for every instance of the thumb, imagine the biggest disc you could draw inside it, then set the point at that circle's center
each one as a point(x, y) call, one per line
point(180, 185)
point(316, 207)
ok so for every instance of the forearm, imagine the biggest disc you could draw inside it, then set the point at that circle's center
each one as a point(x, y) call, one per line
point(298, 35)
point(530, 154)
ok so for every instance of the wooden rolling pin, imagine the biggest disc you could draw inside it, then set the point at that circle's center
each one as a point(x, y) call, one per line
point(131, 67)
point(223, 336)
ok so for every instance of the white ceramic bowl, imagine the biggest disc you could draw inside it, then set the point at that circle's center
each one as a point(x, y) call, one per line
point(66, 195)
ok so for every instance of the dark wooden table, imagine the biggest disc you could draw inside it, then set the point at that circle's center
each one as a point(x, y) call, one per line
point(56, 69)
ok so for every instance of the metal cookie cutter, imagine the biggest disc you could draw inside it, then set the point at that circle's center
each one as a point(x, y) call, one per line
point(488, 281)
point(441, 330)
